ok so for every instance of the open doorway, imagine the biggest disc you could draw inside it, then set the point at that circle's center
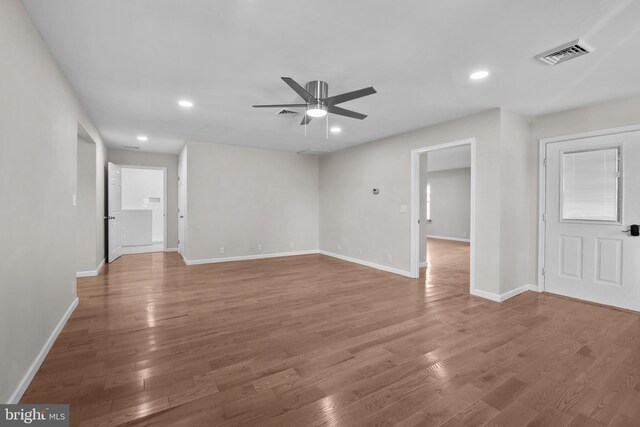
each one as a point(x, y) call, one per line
point(443, 202)
point(143, 225)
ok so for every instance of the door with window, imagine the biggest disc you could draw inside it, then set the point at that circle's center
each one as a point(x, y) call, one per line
point(592, 195)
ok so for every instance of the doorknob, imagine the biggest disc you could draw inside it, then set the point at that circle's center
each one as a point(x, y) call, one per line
point(633, 230)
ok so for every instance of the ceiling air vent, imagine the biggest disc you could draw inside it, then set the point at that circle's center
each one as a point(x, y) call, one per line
point(286, 113)
point(312, 152)
point(130, 147)
point(564, 53)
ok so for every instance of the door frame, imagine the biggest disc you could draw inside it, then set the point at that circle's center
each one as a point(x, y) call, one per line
point(164, 187)
point(415, 206)
point(542, 185)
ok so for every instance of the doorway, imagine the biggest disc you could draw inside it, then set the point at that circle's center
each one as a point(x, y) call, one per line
point(590, 211)
point(443, 217)
point(143, 208)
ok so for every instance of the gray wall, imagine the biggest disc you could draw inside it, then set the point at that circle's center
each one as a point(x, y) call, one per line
point(242, 197)
point(450, 203)
point(86, 235)
point(350, 216)
point(39, 121)
point(170, 161)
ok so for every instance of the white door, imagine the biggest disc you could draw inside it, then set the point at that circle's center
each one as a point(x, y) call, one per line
point(114, 178)
point(592, 199)
point(181, 210)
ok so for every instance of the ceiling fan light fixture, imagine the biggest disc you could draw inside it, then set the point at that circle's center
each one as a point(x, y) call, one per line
point(316, 111)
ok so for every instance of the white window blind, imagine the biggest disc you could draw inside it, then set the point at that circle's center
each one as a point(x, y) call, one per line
point(590, 185)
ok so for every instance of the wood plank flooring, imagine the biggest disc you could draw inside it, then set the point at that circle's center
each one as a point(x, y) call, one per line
point(311, 340)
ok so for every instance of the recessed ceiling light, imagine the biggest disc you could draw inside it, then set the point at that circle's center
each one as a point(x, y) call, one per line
point(142, 138)
point(335, 129)
point(478, 75)
point(185, 103)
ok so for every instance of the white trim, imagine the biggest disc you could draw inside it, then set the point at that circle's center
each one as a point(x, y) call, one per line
point(423, 264)
point(246, 257)
point(542, 184)
point(415, 206)
point(164, 185)
point(91, 273)
point(505, 296)
point(33, 369)
point(171, 250)
point(368, 264)
point(456, 239)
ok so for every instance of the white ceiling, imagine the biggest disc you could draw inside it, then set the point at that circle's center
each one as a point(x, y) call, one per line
point(449, 158)
point(131, 60)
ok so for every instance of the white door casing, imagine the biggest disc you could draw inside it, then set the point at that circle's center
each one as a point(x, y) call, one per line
point(591, 196)
point(114, 178)
point(181, 210)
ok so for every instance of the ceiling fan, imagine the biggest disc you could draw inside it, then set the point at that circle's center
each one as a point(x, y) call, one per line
point(318, 102)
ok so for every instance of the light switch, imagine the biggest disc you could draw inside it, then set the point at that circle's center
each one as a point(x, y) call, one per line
point(403, 208)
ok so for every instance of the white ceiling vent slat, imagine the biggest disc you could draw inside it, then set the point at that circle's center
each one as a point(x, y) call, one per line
point(312, 152)
point(564, 53)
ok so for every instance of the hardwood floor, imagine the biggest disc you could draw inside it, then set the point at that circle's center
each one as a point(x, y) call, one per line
point(311, 340)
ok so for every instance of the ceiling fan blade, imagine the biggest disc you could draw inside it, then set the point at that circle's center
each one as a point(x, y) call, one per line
point(280, 106)
point(348, 96)
point(344, 112)
point(305, 121)
point(299, 89)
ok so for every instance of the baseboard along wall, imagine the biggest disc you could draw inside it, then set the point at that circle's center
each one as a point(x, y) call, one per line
point(91, 273)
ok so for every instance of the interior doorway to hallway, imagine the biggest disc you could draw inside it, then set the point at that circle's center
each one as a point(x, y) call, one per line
point(443, 208)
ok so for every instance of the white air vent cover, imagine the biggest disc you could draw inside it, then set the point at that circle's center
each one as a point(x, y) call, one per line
point(286, 113)
point(564, 53)
point(130, 147)
point(312, 152)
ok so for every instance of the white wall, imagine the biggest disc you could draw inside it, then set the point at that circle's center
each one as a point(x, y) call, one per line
point(350, 216)
point(517, 266)
point(39, 123)
point(450, 203)
point(138, 187)
point(86, 207)
point(239, 198)
point(170, 161)
point(618, 113)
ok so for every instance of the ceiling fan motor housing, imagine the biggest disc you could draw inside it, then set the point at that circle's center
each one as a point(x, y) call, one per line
point(319, 90)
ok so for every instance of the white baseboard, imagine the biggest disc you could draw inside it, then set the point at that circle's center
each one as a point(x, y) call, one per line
point(368, 264)
point(423, 264)
point(33, 369)
point(505, 296)
point(171, 250)
point(91, 273)
point(456, 239)
point(246, 257)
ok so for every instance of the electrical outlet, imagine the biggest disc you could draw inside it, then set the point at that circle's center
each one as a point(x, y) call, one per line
point(339, 247)
point(464, 234)
point(259, 246)
point(291, 244)
point(389, 258)
point(403, 208)
point(359, 251)
point(74, 200)
point(221, 249)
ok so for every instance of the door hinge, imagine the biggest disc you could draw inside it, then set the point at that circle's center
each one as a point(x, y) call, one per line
point(544, 162)
point(543, 272)
point(544, 217)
